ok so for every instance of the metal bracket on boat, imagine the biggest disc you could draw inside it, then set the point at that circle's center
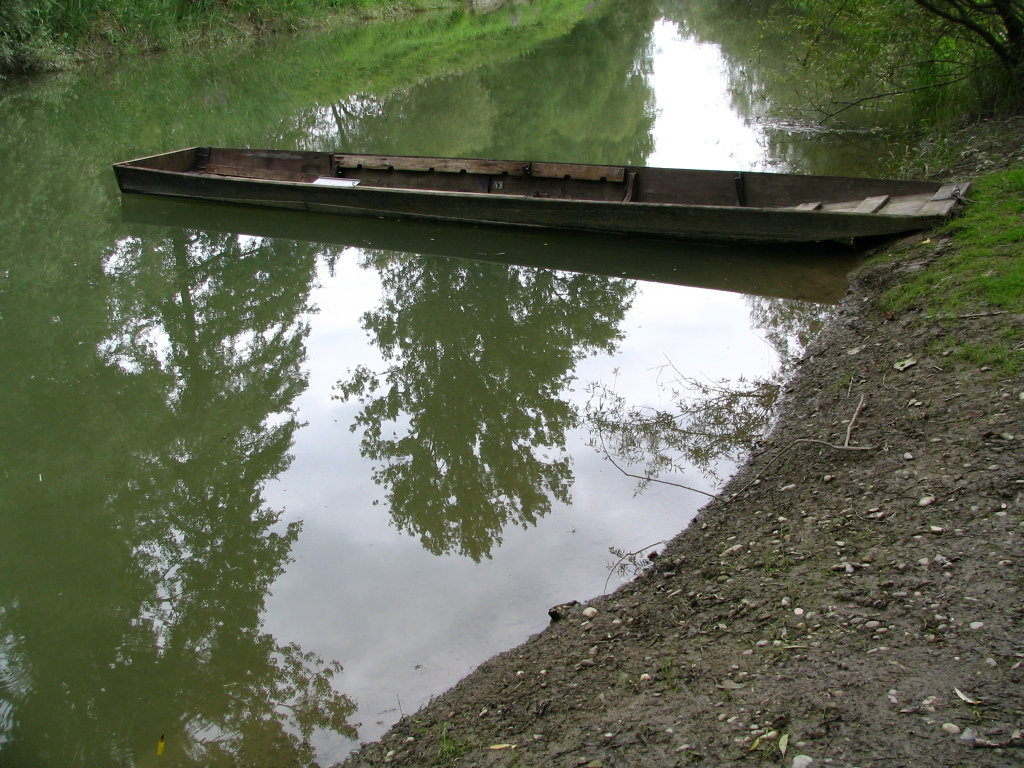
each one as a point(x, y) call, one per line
point(202, 158)
point(741, 190)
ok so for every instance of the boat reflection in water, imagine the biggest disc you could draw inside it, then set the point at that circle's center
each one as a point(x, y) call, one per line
point(811, 272)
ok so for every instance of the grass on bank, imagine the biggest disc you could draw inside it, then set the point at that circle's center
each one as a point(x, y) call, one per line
point(981, 272)
point(39, 35)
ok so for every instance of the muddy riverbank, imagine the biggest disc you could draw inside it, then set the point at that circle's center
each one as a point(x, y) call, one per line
point(853, 597)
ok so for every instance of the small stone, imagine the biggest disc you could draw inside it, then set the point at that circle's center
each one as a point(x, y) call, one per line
point(761, 643)
point(829, 478)
point(872, 624)
point(924, 561)
point(645, 678)
point(908, 456)
point(976, 624)
point(589, 612)
point(926, 501)
point(968, 735)
point(848, 567)
point(798, 611)
point(802, 761)
point(951, 728)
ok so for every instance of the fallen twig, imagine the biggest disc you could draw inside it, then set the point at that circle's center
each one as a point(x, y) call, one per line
point(783, 451)
point(849, 428)
point(982, 314)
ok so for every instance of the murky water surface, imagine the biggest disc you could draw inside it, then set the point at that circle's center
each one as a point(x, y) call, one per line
point(268, 481)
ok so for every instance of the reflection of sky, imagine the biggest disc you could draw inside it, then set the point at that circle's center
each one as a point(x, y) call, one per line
point(406, 624)
point(696, 126)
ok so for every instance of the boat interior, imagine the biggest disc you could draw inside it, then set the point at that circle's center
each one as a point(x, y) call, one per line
point(569, 181)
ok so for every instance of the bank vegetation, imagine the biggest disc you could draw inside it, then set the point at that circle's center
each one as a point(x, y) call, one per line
point(41, 35)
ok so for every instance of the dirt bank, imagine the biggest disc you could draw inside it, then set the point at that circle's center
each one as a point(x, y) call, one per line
point(853, 597)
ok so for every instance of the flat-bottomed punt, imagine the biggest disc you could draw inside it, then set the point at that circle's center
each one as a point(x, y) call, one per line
point(710, 206)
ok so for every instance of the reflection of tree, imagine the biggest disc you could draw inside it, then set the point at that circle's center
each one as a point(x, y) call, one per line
point(142, 549)
point(480, 355)
point(708, 421)
point(589, 101)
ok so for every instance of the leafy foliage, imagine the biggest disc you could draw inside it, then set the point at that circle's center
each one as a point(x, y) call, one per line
point(892, 53)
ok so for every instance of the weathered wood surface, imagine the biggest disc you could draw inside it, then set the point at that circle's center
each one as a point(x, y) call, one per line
point(695, 205)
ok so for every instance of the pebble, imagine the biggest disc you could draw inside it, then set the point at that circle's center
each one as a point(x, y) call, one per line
point(802, 761)
point(968, 735)
point(951, 728)
point(798, 611)
point(590, 612)
point(645, 678)
point(908, 456)
point(977, 624)
point(872, 624)
point(926, 501)
point(924, 561)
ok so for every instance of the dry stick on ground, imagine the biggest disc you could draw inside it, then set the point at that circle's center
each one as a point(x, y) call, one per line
point(844, 447)
point(849, 428)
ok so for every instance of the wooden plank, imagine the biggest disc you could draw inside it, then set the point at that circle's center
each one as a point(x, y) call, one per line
point(939, 208)
point(580, 172)
point(871, 204)
point(809, 206)
point(427, 164)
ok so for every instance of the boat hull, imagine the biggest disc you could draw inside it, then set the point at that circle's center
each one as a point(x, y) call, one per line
point(703, 222)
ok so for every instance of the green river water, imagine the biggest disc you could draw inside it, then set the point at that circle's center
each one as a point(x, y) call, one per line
point(268, 481)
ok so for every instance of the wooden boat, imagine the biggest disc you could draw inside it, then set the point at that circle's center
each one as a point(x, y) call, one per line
point(713, 206)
